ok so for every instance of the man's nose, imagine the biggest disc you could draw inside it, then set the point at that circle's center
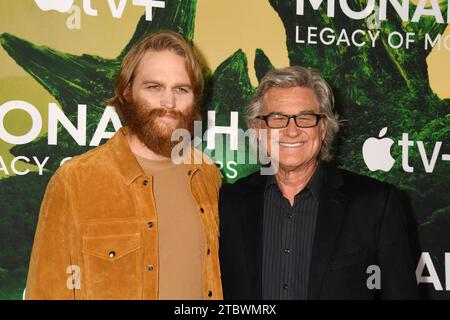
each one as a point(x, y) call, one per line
point(292, 130)
point(168, 99)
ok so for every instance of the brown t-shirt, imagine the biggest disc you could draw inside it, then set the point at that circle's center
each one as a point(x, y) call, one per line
point(181, 241)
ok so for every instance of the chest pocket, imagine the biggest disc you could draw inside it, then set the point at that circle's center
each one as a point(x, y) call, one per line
point(111, 264)
point(111, 247)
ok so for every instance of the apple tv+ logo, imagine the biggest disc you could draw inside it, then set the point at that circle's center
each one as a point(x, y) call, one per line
point(58, 5)
point(116, 7)
point(377, 153)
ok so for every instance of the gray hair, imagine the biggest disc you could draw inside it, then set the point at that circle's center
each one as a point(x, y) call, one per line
point(296, 76)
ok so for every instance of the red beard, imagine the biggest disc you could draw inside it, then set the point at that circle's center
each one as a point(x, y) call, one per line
point(146, 123)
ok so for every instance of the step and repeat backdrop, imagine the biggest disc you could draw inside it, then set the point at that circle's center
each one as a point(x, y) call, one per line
point(388, 62)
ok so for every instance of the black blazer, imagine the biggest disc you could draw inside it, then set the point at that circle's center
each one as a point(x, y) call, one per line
point(360, 223)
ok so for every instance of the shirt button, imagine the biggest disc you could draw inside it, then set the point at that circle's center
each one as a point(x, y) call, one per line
point(209, 293)
point(189, 172)
point(111, 254)
point(145, 182)
point(289, 216)
point(202, 210)
point(208, 252)
point(150, 267)
point(285, 286)
point(150, 224)
point(287, 250)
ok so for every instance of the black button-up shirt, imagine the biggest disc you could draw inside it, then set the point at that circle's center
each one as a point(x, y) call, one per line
point(288, 235)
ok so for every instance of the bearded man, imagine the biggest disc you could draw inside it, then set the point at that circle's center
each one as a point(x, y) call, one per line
point(123, 221)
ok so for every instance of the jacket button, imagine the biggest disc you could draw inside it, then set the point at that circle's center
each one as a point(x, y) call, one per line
point(189, 172)
point(150, 224)
point(208, 252)
point(150, 267)
point(202, 210)
point(209, 293)
point(111, 254)
point(145, 182)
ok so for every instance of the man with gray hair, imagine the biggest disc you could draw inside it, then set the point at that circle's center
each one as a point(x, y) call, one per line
point(311, 230)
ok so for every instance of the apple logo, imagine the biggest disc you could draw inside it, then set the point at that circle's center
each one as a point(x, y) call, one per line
point(58, 5)
point(377, 152)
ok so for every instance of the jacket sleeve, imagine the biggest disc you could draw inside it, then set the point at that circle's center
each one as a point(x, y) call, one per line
point(51, 265)
point(395, 254)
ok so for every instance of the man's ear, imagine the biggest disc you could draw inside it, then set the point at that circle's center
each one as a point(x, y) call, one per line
point(127, 93)
point(324, 129)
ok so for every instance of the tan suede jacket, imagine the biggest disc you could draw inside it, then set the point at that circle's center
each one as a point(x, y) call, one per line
point(97, 236)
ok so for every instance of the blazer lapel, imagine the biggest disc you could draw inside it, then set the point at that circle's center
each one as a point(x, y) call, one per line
point(252, 215)
point(330, 215)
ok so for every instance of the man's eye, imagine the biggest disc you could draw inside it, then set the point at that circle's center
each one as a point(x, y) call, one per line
point(181, 90)
point(306, 117)
point(154, 87)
